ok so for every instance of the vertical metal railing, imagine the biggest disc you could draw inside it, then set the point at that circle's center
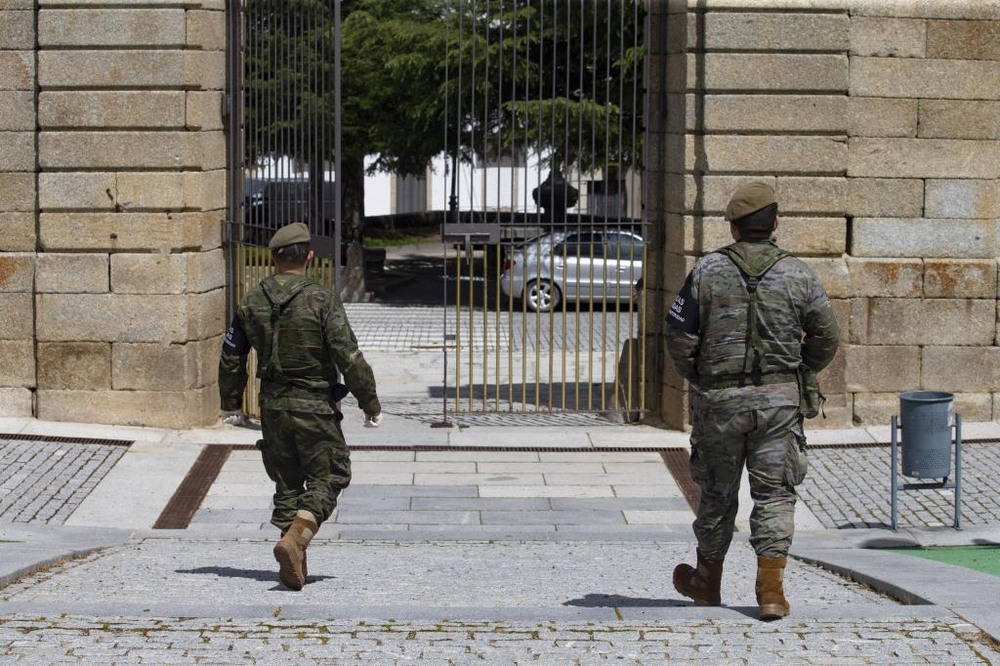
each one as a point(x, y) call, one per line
point(283, 130)
point(552, 91)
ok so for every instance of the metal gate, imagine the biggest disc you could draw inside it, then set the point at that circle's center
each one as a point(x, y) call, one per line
point(283, 139)
point(544, 133)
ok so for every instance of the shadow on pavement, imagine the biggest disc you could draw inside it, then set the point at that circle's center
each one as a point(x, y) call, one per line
point(253, 574)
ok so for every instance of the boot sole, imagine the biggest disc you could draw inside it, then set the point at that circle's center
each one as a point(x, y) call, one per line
point(289, 574)
point(771, 612)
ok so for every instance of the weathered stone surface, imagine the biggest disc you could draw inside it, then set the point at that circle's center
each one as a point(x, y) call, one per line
point(972, 40)
point(80, 190)
point(771, 72)
point(19, 151)
point(18, 232)
point(206, 315)
point(158, 409)
point(206, 29)
point(120, 150)
point(778, 31)
point(204, 110)
point(960, 278)
point(888, 37)
point(113, 318)
point(110, 69)
point(812, 236)
point(962, 199)
point(205, 70)
point(806, 194)
point(74, 365)
point(939, 321)
point(885, 197)
point(176, 367)
point(697, 193)
point(205, 190)
point(17, 108)
point(143, 28)
point(923, 158)
point(898, 278)
point(18, 30)
point(882, 116)
point(17, 271)
point(876, 368)
point(17, 192)
point(18, 318)
point(16, 402)
point(926, 9)
point(120, 232)
point(924, 78)
point(833, 274)
point(112, 110)
point(889, 237)
point(150, 191)
point(17, 70)
point(72, 273)
point(775, 113)
point(18, 363)
point(206, 271)
point(959, 119)
point(766, 154)
point(150, 367)
point(966, 369)
point(148, 273)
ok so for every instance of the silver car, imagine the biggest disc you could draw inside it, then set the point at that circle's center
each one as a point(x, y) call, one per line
point(592, 266)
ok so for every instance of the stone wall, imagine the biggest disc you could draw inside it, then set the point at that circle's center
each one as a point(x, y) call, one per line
point(115, 194)
point(878, 124)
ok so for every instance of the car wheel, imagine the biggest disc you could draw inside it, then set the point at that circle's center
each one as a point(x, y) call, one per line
point(541, 296)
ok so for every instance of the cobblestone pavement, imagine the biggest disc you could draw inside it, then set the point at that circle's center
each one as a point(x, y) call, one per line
point(46, 481)
point(851, 487)
point(187, 601)
point(71, 639)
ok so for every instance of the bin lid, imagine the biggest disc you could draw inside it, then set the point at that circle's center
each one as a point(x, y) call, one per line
point(926, 396)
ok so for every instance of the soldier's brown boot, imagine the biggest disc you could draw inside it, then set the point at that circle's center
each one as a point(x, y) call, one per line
point(290, 551)
point(769, 588)
point(702, 584)
point(305, 553)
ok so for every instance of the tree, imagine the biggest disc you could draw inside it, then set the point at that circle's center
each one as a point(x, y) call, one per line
point(475, 78)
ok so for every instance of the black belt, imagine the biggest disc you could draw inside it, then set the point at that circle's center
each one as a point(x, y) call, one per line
point(735, 381)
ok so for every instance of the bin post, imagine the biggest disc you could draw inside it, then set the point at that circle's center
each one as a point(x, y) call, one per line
point(894, 485)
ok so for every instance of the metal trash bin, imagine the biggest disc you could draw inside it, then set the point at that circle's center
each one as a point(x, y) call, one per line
point(925, 421)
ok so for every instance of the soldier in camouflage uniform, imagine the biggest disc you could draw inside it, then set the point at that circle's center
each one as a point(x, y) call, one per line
point(748, 323)
point(302, 338)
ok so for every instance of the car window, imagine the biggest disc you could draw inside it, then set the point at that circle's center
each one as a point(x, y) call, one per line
point(625, 247)
point(584, 245)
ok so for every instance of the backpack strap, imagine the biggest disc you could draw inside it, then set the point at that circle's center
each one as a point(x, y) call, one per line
point(272, 364)
point(754, 354)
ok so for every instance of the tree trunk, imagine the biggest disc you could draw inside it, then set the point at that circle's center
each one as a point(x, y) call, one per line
point(352, 283)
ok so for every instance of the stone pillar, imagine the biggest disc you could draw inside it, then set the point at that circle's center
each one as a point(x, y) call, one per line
point(878, 125)
point(18, 218)
point(130, 275)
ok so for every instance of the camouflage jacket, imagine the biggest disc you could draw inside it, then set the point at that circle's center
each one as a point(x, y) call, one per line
point(301, 335)
point(707, 326)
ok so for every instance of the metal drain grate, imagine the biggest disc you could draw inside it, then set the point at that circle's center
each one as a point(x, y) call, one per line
point(64, 440)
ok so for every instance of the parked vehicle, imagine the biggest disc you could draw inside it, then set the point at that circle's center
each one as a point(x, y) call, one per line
point(592, 266)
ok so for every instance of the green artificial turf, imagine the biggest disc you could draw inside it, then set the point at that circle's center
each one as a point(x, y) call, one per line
point(984, 558)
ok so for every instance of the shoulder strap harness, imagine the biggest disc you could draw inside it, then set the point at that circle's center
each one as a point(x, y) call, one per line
point(752, 363)
point(272, 364)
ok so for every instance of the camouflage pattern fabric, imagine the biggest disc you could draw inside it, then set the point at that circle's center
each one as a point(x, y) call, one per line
point(302, 338)
point(759, 426)
point(771, 444)
point(307, 458)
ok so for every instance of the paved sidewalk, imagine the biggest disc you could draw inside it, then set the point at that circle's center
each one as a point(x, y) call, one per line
point(481, 544)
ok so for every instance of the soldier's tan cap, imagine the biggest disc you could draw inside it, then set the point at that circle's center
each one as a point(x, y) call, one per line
point(749, 198)
point(290, 234)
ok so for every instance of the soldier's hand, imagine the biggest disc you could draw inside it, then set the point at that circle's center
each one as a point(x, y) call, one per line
point(373, 421)
point(237, 418)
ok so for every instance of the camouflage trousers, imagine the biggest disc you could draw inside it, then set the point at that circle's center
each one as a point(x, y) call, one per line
point(307, 458)
point(771, 444)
